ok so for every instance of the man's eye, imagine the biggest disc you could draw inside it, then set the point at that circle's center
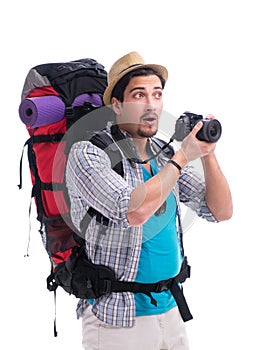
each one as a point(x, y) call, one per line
point(138, 95)
point(158, 95)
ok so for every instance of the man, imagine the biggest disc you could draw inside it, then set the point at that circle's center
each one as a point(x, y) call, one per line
point(142, 242)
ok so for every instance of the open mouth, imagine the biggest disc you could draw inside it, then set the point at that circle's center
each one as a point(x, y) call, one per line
point(149, 119)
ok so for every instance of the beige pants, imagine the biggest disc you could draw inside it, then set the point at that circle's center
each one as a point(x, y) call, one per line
point(159, 332)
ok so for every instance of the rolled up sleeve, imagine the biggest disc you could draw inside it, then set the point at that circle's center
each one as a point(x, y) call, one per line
point(192, 193)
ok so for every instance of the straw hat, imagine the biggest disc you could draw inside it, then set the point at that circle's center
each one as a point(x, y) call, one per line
point(124, 65)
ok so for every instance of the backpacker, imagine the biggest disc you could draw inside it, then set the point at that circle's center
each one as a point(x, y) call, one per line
point(56, 97)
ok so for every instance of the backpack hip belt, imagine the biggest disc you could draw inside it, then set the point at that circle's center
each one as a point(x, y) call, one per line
point(80, 277)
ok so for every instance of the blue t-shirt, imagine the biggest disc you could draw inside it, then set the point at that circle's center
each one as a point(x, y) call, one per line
point(160, 256)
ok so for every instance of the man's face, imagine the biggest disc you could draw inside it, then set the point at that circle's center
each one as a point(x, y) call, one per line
point(140, 111)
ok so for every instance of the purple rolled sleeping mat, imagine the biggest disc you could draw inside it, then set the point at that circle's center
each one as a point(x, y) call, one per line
point(44, 110)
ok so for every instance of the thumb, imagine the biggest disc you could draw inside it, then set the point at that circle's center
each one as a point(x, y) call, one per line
point(197, 127)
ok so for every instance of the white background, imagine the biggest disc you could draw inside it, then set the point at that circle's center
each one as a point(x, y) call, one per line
point(211, 51)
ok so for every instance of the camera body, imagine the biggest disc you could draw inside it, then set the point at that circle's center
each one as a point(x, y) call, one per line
point(210, 131)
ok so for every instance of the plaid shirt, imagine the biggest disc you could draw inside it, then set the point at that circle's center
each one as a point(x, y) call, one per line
point(91, 182)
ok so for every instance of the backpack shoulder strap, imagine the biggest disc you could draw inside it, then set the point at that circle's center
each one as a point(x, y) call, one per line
point(102, 140)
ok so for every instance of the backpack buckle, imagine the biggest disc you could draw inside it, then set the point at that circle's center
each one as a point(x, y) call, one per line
point(162, 286)
point(70, 112)
point(105, 287)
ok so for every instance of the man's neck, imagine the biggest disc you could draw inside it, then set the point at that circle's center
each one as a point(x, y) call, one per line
point(139, 142)
point(141, 146)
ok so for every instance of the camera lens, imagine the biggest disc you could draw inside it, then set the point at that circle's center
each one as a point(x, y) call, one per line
point(213, 130)
point(210, 131)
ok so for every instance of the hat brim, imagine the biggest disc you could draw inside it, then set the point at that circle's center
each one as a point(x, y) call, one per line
point(161, 70)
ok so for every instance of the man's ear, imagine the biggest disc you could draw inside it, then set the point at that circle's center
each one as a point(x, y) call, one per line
point(116, 105)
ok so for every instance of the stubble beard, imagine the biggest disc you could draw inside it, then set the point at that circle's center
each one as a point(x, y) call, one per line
point(147, 133)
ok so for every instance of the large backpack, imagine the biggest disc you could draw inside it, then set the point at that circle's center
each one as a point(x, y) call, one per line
point(54, 97)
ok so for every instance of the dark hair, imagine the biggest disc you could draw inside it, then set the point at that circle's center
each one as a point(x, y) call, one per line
point(120, 87)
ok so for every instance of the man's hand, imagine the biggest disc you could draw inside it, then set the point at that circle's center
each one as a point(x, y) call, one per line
point(192, 148)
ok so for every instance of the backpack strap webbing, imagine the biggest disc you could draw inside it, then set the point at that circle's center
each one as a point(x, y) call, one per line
point(173, 284)
point(104, 142)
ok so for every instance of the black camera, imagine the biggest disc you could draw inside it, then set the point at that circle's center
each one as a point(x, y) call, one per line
point(210, 131)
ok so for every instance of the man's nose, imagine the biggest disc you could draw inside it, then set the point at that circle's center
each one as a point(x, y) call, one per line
point(150, 105)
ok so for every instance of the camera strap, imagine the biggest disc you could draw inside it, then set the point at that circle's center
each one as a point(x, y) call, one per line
point(127, 150)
